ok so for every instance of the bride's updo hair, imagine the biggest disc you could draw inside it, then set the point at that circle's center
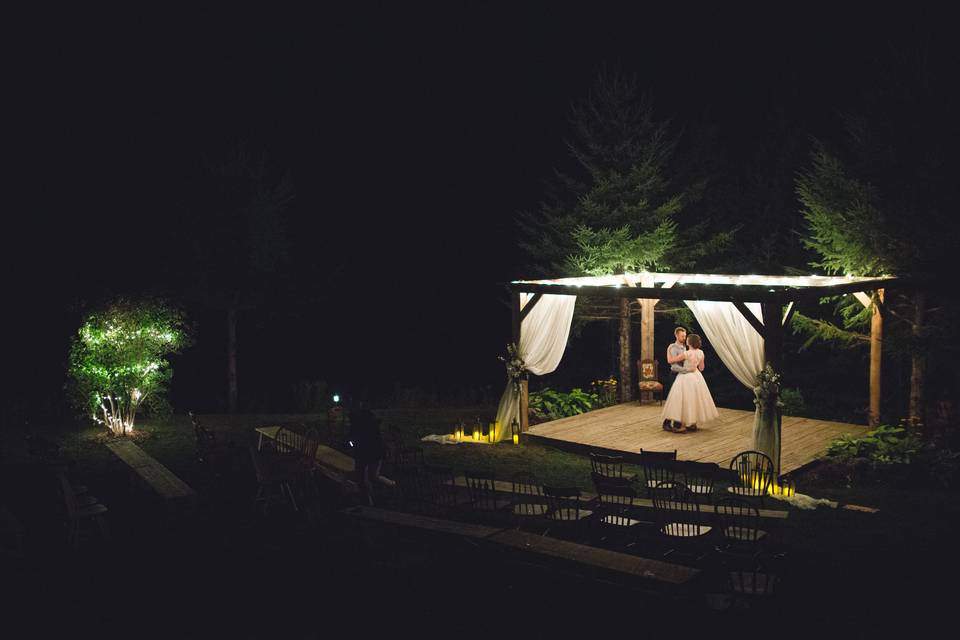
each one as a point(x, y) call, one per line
point(693, 341)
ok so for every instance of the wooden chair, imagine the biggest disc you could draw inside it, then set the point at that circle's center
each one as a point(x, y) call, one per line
point(614, 508)
point(753, 582)
point(658, 467)
point(700, 478)
point(311, 444)
point(440, 489)
point(649, 383)
point(413, 490)
point(405, 456)
point(608, 466)
point(481, 485)
point(679, 520)
point(564, 512)
point(739, 525)
point(288, 442)
point(206, 440)
point(529, 503)
point(273, 484)
point(79, 512)
point(753, 474)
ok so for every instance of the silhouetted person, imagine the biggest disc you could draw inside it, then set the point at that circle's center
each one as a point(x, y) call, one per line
point(368, 449)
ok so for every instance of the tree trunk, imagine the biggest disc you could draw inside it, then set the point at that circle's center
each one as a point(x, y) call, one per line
point(918, 369)
point(626, 380)
point(232, 359)
point(876, 349)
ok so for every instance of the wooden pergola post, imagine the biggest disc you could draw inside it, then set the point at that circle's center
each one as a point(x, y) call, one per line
point(647, 347)
point(876, 352)
point(517, 319)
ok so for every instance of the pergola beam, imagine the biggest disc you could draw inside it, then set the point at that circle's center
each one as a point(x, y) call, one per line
point(701, 291)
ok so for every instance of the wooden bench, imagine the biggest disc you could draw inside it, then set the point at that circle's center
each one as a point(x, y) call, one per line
point(172, 489)
point(594, 557)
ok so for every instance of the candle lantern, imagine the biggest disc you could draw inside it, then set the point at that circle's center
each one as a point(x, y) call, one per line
point(515, 431)
point(476, 431)
point(784, 487)
point(492, 433)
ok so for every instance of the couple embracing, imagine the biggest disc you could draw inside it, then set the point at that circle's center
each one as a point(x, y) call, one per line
point(689, 400)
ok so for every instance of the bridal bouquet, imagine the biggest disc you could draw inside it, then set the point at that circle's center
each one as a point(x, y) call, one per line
point(767, 387)
point(516, 368)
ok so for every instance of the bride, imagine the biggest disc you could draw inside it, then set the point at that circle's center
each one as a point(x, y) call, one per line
point(689, 400)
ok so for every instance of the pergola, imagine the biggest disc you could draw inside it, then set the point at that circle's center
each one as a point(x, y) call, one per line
point(777, 296)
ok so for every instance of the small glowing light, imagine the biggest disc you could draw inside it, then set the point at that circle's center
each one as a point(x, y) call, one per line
point(336, 398)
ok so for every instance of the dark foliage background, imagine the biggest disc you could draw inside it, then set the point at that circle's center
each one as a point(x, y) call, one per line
point(413, 134)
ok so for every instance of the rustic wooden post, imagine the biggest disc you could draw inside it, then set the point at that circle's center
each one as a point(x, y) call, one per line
point(516, 320)
point(647, 347)
point(772, 314)
point(626, 379)
point(876, 350)
point(918, 361)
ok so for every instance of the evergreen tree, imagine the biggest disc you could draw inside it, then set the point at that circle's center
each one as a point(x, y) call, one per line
point(237, 248)
point(884, 204)
point(619, 211)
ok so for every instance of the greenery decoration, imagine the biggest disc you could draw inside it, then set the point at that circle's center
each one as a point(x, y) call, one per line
point(118, 359)
point(548, 404)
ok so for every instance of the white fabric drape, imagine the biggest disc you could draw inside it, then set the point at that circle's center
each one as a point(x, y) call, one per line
point(737, 343)
point(543, 339)
point(740, 348)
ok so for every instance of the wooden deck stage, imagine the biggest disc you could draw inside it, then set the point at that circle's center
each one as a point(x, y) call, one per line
point(626, 428)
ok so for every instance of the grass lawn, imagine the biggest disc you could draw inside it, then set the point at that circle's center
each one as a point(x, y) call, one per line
point(233, 573)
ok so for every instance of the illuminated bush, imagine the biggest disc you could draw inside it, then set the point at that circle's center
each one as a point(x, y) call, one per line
point(118, 359)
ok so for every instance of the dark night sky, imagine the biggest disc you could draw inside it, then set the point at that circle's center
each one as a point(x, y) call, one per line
point(414, 134)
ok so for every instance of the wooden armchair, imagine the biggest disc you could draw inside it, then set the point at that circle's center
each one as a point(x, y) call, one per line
point(649, 383)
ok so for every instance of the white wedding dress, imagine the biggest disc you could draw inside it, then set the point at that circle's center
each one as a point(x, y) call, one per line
point(689, 401)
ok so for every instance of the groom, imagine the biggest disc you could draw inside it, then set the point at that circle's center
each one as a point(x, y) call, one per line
point(675, 353)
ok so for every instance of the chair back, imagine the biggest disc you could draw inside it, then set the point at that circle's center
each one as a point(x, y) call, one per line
point(739, 521)
point(754, 474)
point(753, 583)
point(677, 513)
point(700, 478)
point(481, 485)
point(528, 499)
point(404, 455)
point(563, 503)
point(311, 444)
point(616, 500)
point(259, 466)
point(440, 487)
point(412, 485)
point(608, 466)
point(648, 370)
point(287, 441)
point(69, 497)
point(658, 467)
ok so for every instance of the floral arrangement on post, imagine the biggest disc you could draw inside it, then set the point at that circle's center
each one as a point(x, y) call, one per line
point(516, 368)
point(767, 388)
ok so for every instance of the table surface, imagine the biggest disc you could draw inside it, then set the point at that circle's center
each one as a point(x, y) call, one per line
point(325, 455)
